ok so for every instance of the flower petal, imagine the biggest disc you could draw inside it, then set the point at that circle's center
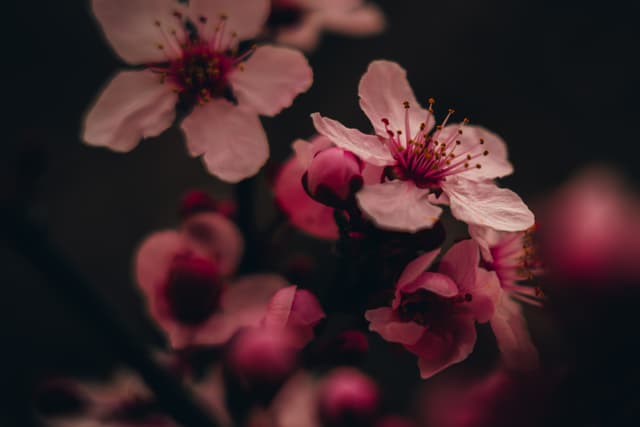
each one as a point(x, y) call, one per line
point(514, 341)
point(368, 147)
point(438, 349)
point(362, 21)
point(134, 105)
point(475, 141)
point(271, 79)
point(244, 303)
point(231, 138)
point(305, 150)
point(279, 308)
point(417, 267)
point(461, 263)
point(486, 238)
point(303, 212)
point(304, 35)
point(383, 91)
point(218, 237)
point(398, 205)
point(436, 283)
point(484, 203)
point(243, 17)
point(131, 27)
point(382, 321)
point(153, 258)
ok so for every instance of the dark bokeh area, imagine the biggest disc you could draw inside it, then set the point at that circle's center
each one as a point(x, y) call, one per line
point(558, 80)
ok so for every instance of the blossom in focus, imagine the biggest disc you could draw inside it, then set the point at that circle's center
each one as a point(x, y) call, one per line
point(300, 23)
point(512, 257)
point(433, 314)
point(453, 164)
point(303, 212)
point(191, 59)
point(295, 310)
point(185, 276)
point(590, 230)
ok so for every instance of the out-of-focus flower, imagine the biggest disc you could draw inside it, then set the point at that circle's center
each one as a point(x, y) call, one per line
point(501, 399)
point(191, 58)
point(453, 165)
point(333, 176)
point(198, 201)
point(512, 256)
point(295, 310)
point(258, 361)
point(591, 230)
point(303, 212)
point(347, 398)
point(124, 401)
point(184, 275)
point(300, 23)
point(433, 315)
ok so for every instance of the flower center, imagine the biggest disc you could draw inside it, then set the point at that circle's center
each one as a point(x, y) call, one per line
point(193, 289)
point(427, 158)
point(423, 307)
point(200, 58)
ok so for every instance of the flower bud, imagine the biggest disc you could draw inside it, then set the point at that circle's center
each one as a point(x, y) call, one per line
point(333, 176)
point(258, 362)
point(193, 289)
point(348, 398)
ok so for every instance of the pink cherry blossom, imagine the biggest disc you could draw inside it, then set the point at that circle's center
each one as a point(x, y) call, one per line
point(433, 314)
point(591, 230)
point(300, 23)
point(190, 58)
point(333, 176)
point(296, 310)
point(184, 275)
point(454, 164)
point(303, 212)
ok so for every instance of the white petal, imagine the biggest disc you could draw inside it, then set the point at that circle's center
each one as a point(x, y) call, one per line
point(383, 91)
point(134, 105)
point(130, 27)
point(398, 205)
point(368, 147)
point(484, 203)
point(271, 79)
point(231, 138)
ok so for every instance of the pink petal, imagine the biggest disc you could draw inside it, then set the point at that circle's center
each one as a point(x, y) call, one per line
point(514, 341)
point(486, 238)
point(383, 91)
point(130, 27)
point(243, 17)
point(243, 304)
point(218, 237)
point(484, 203)
point(437, 283)
point(134, 105)
point(493, 165)
point(382, 321)
point(437, 350)
point(486, 295)
point(305, 35)
point(306, 309)
point(279, 308)
point(305, 150)
point(231, 138)
point(461, 263)
point(271, 79)
point(304, 213)
point(398, 205)
point(417, 267)
point(362, 21)
point(153, 258)
point(368, 147)
point(295, 404)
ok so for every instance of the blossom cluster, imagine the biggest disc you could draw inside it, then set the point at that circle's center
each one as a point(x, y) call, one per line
point(427, 243)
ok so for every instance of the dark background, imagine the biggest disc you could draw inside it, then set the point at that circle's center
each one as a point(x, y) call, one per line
point(558, 80)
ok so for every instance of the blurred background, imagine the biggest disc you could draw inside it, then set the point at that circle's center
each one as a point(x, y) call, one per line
point(557, 80)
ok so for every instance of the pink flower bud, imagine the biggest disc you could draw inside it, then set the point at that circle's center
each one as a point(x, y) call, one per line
point(196, 201)
point(259, 361)
point(333, 176)
point(348, 398)
point(193, 288)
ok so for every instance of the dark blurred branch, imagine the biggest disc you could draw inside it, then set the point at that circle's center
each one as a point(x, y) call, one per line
point(87, 303)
